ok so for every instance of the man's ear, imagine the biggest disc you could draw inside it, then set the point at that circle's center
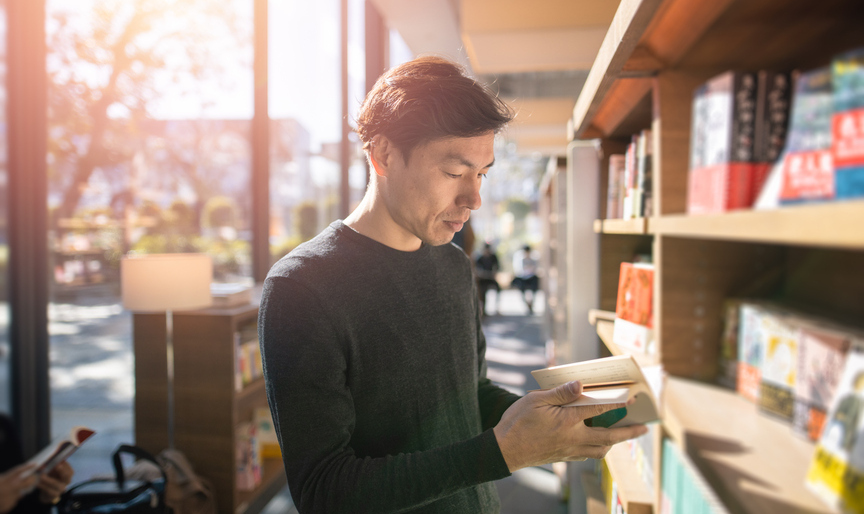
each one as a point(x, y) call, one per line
point(382, 153)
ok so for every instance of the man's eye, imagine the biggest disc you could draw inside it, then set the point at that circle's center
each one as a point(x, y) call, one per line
point(453, 175)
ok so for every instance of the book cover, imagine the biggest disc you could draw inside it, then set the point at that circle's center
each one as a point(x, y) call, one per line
point(634, 307)
point(836, 472)
point(750, 351)
point(773, 103)
point(822, 354)
point(615, 189)
point(807, 168)
point(59, 450)
point(779, 365)
point(608, 380)
point(722, 143)
point(848, 124)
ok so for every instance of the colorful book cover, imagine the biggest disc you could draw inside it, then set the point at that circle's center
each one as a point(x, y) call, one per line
point(779, 365)
point(848, 124)
point(750, 351)
point(807, 172)
point(837, 470)
point(634, 307)
point(615, 189)
point(821, 355)
point(722, 143)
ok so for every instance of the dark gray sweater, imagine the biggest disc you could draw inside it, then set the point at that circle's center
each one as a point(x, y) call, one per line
point(376, 377)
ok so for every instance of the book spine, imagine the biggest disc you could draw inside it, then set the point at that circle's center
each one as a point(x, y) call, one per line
point(772, 122)
point(615, 186)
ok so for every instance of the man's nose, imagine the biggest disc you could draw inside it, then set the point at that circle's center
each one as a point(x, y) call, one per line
point(470, 195)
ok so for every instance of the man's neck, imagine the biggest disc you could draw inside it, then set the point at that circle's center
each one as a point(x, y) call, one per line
point(372, 219)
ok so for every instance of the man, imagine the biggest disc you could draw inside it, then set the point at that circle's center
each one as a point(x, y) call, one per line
point(525, 271)
point(486, 267)
point(371, 336)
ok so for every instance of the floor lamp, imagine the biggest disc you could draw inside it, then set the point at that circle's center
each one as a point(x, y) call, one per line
point(155, 283)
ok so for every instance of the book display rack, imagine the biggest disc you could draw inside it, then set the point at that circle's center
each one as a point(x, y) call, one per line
point(656, 53)
point(211, 404)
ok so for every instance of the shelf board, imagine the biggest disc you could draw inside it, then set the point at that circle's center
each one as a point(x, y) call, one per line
point(835, 224)
point(605, 329)
point(755, 463)
point(634, 492)
point(638, 226)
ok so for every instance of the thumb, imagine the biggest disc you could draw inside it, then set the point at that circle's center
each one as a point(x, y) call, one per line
point(563, 394)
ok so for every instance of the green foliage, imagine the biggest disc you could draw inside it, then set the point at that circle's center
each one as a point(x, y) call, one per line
point(306, 220)
point(220, 211)
point(518, 207)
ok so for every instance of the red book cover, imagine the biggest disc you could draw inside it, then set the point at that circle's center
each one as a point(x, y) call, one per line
point(635, 293)
point(722, 143)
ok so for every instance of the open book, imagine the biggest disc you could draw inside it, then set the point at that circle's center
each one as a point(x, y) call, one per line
point(59, 450)
point(604, 381)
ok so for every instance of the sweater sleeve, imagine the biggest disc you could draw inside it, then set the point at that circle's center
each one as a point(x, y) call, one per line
point(305, 370)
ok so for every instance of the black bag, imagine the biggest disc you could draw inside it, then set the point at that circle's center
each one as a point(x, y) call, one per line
point(118, 495)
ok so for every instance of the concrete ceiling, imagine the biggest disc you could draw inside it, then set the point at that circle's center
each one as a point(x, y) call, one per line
point(536, 53)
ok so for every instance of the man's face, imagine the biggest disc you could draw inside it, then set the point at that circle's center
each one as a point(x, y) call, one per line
point(432, 195)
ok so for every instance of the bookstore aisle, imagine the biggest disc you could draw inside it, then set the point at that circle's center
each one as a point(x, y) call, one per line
point(730, 177)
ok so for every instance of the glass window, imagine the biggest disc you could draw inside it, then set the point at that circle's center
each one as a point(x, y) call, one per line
point(150, 107)
point(305, 113)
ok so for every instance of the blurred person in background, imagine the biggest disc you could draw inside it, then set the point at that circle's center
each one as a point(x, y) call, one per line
point(525, 275)
point(486, 267)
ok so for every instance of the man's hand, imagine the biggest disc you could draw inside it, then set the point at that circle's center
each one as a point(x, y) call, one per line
point(538, 430)
point(13, 485)
point(53, 483)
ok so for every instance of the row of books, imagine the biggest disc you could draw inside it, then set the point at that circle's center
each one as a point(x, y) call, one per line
point(682, 489)
point(629, 189)
point(786, 361)
point(808, 371)
point(248, 364)
point(642, 454)
point(609, 486)
point(769, 138)
point(256, 440)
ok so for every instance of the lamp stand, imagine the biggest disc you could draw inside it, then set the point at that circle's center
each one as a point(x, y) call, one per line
point(169, 357)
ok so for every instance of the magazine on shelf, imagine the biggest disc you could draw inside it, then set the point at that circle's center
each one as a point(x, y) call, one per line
point(59, 450)
point(610, 380)
point(634, 327)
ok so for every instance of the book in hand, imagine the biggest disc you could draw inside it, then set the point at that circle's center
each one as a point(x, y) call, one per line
point(59, 450)
point(605, 381)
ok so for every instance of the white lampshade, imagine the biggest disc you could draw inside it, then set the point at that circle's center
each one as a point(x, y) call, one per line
point(166, 281)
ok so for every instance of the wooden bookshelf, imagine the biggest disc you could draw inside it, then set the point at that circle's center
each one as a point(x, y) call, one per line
point(636, 226)
point(208, 409)
point(655, 54)
point(836, 224)
point(635, 494)
point(605, 328)
point(754, 462)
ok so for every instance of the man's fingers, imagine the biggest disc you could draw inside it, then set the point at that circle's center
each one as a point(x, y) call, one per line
point(589, 411)
point(610, 436)
point(563, 394)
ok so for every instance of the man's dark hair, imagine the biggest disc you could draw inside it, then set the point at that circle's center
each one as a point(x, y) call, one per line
point(427, 99)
